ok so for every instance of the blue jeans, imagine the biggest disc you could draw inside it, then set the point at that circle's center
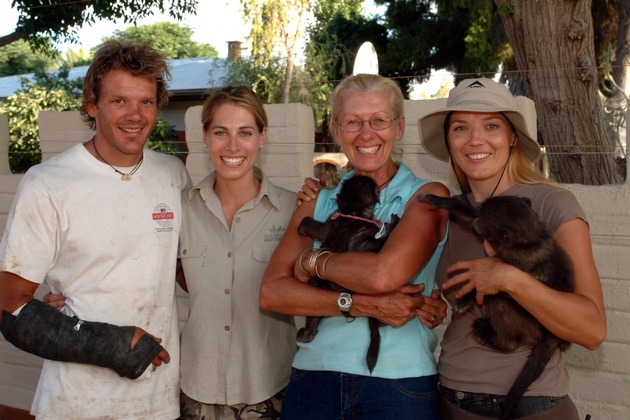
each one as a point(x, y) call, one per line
point(322, 395)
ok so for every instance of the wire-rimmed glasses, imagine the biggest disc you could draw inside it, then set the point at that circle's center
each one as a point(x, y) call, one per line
point(377, 123)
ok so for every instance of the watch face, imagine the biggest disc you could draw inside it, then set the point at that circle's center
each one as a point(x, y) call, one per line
point(344, 301)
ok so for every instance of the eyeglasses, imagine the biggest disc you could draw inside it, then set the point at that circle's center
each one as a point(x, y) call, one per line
point(377, 123)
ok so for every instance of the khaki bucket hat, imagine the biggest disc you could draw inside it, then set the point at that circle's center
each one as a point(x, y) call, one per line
point(481, 95)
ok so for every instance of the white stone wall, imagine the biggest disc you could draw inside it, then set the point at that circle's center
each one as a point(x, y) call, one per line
point(599, 379)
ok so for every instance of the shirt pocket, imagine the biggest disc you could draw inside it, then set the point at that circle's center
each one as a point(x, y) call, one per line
point(263, 254)
point(194, 258)
point(260, 258)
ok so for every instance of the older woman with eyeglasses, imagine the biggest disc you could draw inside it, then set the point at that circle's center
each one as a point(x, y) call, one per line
point(330, 378)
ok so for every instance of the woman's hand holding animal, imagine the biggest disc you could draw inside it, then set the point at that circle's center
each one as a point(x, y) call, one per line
point(486, 275)
point(394, 308)
point(433, 311)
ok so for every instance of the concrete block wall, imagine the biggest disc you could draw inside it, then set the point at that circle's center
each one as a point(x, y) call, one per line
point(599, 379)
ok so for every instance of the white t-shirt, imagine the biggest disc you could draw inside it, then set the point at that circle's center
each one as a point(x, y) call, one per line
point(109, 246)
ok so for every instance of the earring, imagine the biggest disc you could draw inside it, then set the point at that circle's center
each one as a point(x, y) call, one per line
point(261, 146)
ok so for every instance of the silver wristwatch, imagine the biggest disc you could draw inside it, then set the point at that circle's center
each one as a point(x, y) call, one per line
point(344, 301)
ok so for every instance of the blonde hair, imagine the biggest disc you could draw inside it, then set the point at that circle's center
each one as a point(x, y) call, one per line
point(362, 83)
point(237, 95)
point(520, 169)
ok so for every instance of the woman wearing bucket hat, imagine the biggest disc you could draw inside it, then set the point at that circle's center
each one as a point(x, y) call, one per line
point(330, 378)
point(488, 138)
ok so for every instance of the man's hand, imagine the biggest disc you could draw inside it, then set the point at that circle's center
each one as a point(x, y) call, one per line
point(162, 357)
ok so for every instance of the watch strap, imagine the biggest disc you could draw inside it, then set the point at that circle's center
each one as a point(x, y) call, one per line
point(349, 318)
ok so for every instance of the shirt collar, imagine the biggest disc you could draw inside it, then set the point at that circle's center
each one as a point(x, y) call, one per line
point(205, 188)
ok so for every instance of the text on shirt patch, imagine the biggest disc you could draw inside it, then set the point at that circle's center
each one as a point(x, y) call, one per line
point(163, 216)
point(275, 233)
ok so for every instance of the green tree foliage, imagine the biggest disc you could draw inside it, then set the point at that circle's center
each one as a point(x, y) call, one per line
point(171, 39)
point(414, 42)
point(19, 58)
point(163, 139)
point(59, 20)
point(329, 53)
point(266, 81)
point(337, 44)
point(471, 38)
point(23, 108)
point(477, 44)
point(325, 10)
point(463, 36)
point(78, 58)
point(337, 31)
point(276, 26)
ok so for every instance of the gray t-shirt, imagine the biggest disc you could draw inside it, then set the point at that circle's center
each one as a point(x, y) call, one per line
point(465, 364)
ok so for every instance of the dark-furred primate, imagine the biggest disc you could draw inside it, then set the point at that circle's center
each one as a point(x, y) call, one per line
point(352, 228)
point(512, 232)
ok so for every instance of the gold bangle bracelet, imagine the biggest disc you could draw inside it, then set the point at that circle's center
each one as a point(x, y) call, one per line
point(327, 255)
point(310, 262)
point(303, 271)
point(323, 275)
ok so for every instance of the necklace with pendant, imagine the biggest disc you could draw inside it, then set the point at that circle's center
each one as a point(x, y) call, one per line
point(125, 176)
point(380, 187)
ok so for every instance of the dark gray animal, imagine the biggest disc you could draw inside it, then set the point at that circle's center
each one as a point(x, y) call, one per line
point(352, 228)
point(511, 227)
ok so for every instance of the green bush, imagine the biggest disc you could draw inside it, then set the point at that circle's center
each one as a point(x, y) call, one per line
point(23, 108)
point(164, 139)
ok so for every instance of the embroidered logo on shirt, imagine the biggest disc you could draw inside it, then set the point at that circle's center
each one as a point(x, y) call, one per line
point(163, 216)
point(275, 233)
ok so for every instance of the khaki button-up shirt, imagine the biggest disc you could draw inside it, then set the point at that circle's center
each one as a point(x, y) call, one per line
point(232, 351)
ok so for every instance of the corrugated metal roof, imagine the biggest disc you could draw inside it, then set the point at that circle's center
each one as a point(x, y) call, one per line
point(189, 75)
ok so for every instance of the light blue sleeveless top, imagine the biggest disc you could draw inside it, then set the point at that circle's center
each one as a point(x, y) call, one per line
point(341, 346)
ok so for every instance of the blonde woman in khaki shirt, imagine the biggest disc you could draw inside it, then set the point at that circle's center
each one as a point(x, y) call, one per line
point(236, 358)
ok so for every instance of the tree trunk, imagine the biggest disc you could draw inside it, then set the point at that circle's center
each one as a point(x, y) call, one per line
point(286, 87)
point(621, 69)
point(553, 43)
